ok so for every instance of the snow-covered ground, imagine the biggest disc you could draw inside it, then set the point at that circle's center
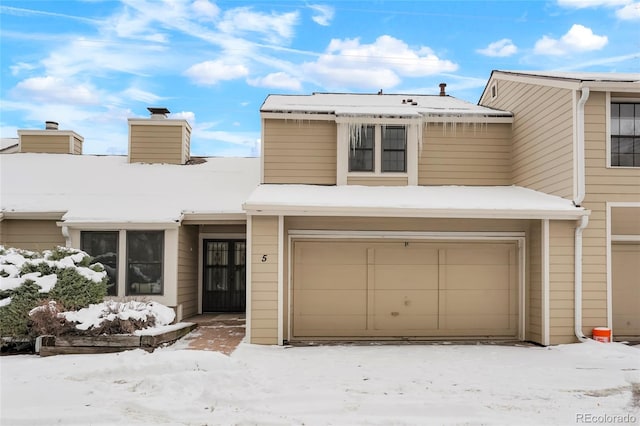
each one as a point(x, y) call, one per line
point(370, 384)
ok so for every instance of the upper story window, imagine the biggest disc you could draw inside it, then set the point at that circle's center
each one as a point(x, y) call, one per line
point(625, 134)
point(362, 155)
point(378, 148)
point(394, 149)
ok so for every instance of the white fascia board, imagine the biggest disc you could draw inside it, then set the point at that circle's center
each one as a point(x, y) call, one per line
point(33, 215)
point(409, 212)
point(536, 79)
point(306, 116)
point(87, 225)
point(478, 118)
point(612, 86)
point(213, 217)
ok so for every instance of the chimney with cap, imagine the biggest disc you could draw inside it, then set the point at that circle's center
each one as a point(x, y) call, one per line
point(51, 140)
point(442, 87)
point(159, 139)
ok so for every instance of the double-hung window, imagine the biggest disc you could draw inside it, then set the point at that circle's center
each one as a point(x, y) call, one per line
point(625, 134)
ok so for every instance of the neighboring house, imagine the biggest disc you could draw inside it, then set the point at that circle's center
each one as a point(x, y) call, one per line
point(577, 135)
point(368, 217)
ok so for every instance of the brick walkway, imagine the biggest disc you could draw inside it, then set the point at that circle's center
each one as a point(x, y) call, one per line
point(216, 332)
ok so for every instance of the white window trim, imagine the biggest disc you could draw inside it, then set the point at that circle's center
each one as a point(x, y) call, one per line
point(609, 100)
point(411, 159)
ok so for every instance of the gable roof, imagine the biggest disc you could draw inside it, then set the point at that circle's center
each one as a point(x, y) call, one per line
point(101, 189)
point(579, 76)
point(394, 105)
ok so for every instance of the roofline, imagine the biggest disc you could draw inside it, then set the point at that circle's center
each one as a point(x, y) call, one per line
point(277, 210)
point(122, 224)
point(32, 215)
point(572, 83)
point(502, 117)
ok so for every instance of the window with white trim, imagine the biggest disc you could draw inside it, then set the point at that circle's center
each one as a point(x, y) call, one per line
point(102, 246)
point(625, 134)
point(362, 150)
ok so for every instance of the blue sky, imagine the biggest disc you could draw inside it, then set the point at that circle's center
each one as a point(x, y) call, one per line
point(92, 64)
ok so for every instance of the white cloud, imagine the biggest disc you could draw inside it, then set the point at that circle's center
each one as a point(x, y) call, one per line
point(209, 73)
point(324, 14)
point(500, 48)
point(56, 90)
point(277, 80)
point(136, 94)
point(578, 39)
point(581, 4)
point(21, 66)
point(273, 27)
point(190, 116)
point(350, 64)
point(205, 10)
point(630, 12)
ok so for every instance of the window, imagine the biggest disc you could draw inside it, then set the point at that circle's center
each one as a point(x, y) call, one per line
point(103, 247)
point(625, 134)
point(361, 155)
point(378, 148)
point(145, 251)
point(394, 149)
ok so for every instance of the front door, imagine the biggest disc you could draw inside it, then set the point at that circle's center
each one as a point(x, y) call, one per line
point(224, 276)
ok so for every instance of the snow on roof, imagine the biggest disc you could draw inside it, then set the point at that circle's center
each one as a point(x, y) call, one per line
point(6, 143)
point(581, 76)
point(398, 105)
point(419, 201)
point(109, 189)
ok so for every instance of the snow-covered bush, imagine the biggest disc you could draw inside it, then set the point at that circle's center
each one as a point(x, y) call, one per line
point(28, 278)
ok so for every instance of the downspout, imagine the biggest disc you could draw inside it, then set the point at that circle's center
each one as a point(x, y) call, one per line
point(65, 234)
point(580, 175)
point(584, 220)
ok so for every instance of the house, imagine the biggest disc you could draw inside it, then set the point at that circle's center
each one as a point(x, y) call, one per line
point(368, 217)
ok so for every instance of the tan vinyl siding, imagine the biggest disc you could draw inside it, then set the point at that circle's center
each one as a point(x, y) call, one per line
point(465, 154)
point(542, 149)
point(534, 326)
point(156, 143)
point(625, 269)
point(561, 282)
point(31, 234)
point(625, 221)
point(301, 152)
point(264, 280)
point(188, 270)
point(603, 185)
point(77, 145)
point(223, 229)
point(377, 180)
point(186, 146)
point(52, 144)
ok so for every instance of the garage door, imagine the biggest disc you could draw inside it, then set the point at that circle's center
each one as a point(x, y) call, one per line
point(404, 289)
point(625, 269)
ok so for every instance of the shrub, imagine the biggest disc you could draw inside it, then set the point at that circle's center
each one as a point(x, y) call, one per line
point(77, 285)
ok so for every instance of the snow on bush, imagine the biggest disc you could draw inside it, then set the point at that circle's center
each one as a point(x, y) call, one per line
point(27, 279)
point(148, 313)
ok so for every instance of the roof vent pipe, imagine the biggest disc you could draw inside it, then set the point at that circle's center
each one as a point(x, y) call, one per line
point(442, 87)
point(51, 125)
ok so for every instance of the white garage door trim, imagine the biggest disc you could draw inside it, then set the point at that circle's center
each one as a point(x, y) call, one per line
point(518, 237)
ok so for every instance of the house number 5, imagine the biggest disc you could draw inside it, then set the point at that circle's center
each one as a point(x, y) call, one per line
point(264, 258)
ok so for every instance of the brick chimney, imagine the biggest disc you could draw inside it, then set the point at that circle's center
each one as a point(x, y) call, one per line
point(51, 140)
point(159, 139)
point(442, 87)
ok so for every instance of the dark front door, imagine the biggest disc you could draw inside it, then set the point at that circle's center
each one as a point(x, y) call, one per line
point(224, 276)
